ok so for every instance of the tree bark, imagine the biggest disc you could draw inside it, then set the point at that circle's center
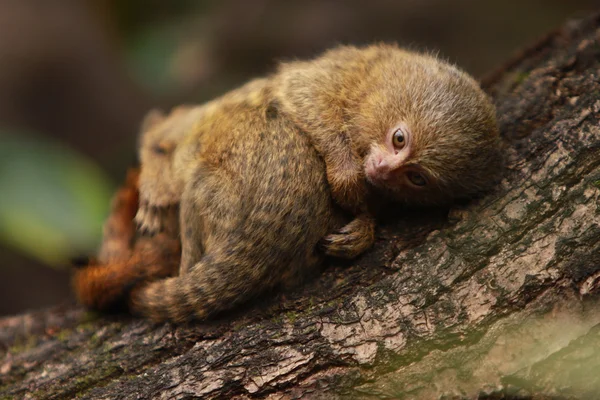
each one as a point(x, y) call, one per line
point(492, 299)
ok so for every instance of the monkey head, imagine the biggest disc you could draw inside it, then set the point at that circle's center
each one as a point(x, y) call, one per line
point(423, 129)
point(432, 130)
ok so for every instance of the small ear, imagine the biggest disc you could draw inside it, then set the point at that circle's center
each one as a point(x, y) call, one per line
point(151, 119)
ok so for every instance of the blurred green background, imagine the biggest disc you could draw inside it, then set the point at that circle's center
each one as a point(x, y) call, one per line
point(76, 77)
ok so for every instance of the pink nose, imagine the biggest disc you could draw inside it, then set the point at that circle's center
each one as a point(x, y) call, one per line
point(382, 168)
point(382, 165)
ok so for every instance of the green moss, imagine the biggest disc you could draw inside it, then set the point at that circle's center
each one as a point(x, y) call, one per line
point(88, 317)
point(78, 386)
point(520, 77)
point(596, 183)
point(86, 326)
point(63, 335)
point(23, 344)
point(291, 316)
point(238, 325)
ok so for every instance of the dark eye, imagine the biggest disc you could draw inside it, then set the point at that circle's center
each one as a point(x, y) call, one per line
point(399, 139)
point(416, 178)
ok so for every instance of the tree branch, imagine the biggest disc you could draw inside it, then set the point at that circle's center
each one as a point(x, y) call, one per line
point(495, 297)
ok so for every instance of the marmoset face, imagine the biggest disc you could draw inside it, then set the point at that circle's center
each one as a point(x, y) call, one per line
point(389, 164)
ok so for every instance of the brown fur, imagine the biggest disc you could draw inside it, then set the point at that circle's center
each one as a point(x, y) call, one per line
point(253, 174)
point(125, 260)
point(348, 99)
point(254, 204)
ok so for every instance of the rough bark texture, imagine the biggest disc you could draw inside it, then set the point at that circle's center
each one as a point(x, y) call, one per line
point(494, 299)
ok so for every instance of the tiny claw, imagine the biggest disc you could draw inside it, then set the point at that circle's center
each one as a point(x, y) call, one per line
point(153, 219)
point(351, 240)
point(328, 238)
point(141, 214)
point(143, 230)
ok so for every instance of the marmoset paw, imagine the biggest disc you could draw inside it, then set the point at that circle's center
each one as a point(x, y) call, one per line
point(351, 240)
point(152, 220)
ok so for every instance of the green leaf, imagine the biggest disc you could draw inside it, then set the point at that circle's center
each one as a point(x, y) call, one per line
point(53, 200)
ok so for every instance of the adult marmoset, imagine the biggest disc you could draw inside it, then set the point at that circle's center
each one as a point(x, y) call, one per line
point(257, 175)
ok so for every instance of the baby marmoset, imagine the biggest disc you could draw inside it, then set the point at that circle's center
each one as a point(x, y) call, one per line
point(253, 173)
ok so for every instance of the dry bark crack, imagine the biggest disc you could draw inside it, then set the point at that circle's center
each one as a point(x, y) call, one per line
point(496, 298)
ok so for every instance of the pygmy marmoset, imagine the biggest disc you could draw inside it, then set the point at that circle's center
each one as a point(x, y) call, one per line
point(254, 180)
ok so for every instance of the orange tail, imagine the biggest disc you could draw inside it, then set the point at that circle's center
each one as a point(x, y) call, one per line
point(104, 287)
point(126, 261)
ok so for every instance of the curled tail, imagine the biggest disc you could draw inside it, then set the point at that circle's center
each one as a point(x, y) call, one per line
point(107, 286)
point(205, 290)
point(104, 287)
